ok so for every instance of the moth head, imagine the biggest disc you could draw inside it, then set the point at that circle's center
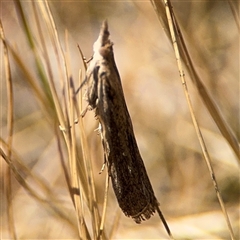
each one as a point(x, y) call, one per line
point(103, 38)
point(102, 48)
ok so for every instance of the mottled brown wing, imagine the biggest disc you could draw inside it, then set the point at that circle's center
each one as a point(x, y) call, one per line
point(125, 165)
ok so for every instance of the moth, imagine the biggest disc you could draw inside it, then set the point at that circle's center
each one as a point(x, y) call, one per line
point(104, 95)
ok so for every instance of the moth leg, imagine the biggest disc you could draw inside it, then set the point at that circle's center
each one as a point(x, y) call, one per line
point(105, 148)
point(106, 152)
point(104, 164)
point(105, 160)
point(88, 60)
point(88, 108)
point(83, 113)
point(91, 93)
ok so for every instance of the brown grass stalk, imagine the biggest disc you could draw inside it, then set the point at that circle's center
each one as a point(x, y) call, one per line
point(176, 41)
point(10, 126)
point(207, 99)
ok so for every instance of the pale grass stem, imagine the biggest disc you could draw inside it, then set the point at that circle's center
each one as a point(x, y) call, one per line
point(173, 30)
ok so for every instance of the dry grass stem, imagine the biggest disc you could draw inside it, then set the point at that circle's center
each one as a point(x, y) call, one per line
point(173, 30)
point(51, 156)
point(36, 187)
point(214, 111)
point(100, 236)
point(10, 125)
point(235, 12)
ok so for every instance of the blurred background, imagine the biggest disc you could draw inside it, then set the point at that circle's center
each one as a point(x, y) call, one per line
point(157, 106)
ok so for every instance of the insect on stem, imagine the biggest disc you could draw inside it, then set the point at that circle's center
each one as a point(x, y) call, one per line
point(126, 169)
